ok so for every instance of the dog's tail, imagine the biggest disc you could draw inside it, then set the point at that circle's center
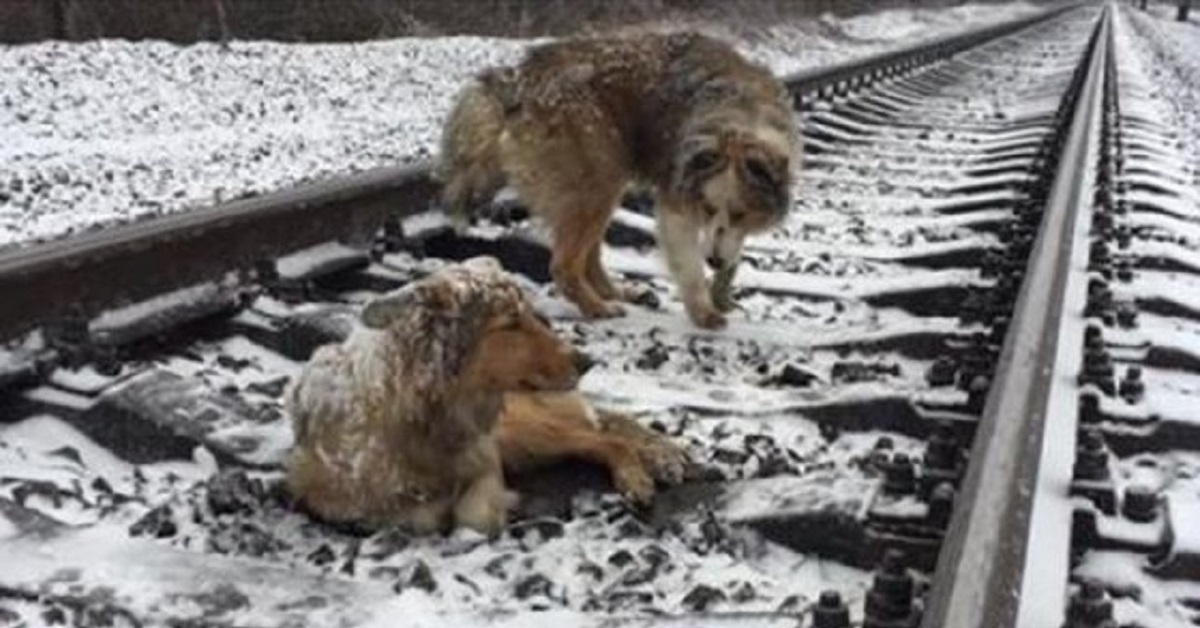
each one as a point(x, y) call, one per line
point(469, 168)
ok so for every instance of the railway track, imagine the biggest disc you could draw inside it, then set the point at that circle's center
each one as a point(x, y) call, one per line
point(955, 394)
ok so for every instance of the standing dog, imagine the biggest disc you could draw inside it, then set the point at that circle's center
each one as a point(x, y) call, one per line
point(397, 425)
point(569, 128)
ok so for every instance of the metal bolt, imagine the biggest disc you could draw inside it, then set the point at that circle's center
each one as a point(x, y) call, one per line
point(941, 505)
point(1099, 297)
point(1127, 315)
point(1098, 369)
point(1091, 459)
point(977, 393)
point(900, 477)
point(1140, 503)
point(1124, 237)
point(1124, 271)
point(890, 599)
point(831, 611)
point(1132, 387)
point(1098, 253)
point(1084, 532)
point(1089, 606)
point(942, 372)
point(942, 452)
point(1089, 408)
point(999, 329)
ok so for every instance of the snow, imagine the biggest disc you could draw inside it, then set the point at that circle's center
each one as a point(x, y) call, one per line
point(301, 263)
point(106, 132)
point(163, 585)
point(206, 295)
point(1168, 76)
point(863, 215)
point(1152, 579)
point(791, 47)
point(1157, 603)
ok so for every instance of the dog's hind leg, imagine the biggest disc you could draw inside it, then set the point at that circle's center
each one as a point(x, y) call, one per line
point(574, 240)
point(566, 159)
point(577, 237)
point(603, 283)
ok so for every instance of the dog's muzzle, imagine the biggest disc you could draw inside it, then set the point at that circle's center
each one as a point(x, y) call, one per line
point(582, 362)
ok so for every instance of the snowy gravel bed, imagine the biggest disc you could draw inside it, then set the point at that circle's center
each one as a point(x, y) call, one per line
point(891, 185)
point(811, 404)
point(104, 132)
point(602, 559)
point(1172, 76)
point(599, 558)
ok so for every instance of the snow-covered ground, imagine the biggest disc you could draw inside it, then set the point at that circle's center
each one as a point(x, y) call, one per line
point(105, 132)
point(1171, 55)
point(795, 409)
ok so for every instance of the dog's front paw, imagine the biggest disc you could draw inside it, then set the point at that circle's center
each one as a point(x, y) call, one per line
point(634, 484)
point(723, 300)
point(667, 462)
point(636, 294)
point(706, 316)
point(604, 309)
point(486, 510)
point(721, 290)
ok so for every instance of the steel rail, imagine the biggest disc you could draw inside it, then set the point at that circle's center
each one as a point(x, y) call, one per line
point(79, 276)
point(82, 275)
point(839, 79)
point(986, 551)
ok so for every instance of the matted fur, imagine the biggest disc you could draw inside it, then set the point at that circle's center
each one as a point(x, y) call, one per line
point(450, 380)
point(394, 425)
point(576, 122)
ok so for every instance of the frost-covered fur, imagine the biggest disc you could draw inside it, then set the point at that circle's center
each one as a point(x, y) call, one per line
point(575, 123)
point(395, 425)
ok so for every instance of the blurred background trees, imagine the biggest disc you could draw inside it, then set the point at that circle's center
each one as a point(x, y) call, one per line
point(348, 20)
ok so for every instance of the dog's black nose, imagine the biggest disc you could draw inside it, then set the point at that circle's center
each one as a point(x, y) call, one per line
point(583, 362)
point(714, 262)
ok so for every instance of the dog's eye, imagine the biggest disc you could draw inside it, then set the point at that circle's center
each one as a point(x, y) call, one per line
point(704, 161)
point(709, 210)
point(736, 218)
point(760, 172)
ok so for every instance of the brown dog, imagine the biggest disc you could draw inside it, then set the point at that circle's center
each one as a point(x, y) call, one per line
point(395, 426)
point(711, 134)
point(539, 429)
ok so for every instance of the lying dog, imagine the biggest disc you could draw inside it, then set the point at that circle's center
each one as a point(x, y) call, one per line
point(711, 134)
point(397, 425)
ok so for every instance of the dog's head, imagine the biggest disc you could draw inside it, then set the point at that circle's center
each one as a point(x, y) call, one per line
point(468, 328)
point(734, 171)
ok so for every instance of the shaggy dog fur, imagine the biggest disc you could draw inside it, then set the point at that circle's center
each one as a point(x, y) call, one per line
point(577, 122)
point(396, 425)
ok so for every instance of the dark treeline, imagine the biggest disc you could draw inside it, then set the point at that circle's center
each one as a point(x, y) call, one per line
point(347, 20)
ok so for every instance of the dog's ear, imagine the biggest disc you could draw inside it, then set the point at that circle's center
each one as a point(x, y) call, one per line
point(379, 313)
